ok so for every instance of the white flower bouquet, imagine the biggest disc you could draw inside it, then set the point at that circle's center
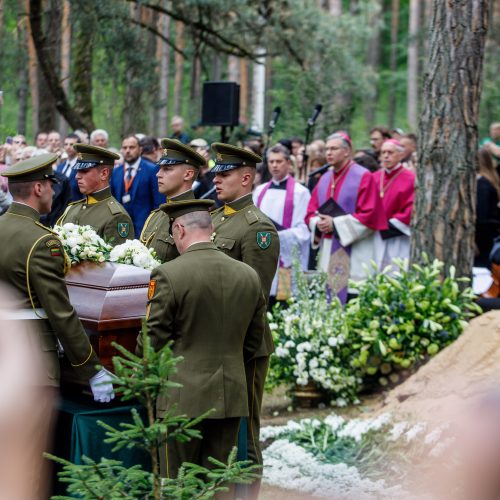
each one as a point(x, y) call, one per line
point(313, 342)
point(83, 243)
point(133, 252)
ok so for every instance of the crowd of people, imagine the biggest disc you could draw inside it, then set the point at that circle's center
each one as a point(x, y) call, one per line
point(203, 208)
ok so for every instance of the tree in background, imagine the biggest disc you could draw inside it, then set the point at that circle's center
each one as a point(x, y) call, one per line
point(444, 214)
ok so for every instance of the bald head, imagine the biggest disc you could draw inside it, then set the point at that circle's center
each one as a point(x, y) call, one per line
point(191, 228)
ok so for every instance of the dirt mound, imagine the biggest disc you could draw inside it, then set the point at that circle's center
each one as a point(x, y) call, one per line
point(466, 369)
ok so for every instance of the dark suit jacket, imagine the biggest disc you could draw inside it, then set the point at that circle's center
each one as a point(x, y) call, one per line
point(74, 192)
point(212, 308)
point(60, 200)
point(144, 194)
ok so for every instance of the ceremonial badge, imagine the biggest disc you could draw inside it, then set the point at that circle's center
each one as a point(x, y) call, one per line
point(55, 252)
point(151, 289)
point(264, 239)
point(219, 157)
point(123, 229)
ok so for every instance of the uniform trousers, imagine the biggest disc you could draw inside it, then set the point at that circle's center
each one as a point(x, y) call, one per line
point(219, 436)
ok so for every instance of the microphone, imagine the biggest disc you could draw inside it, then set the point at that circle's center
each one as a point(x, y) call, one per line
point(314, 116)
point(274, 118)
point(319, 170)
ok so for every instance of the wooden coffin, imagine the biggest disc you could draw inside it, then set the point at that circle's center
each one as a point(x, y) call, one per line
point(110, 300)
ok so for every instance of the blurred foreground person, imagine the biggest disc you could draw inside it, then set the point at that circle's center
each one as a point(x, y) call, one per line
point(34, 263)
point(26, 406)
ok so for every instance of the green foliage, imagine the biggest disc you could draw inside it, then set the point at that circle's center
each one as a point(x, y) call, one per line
point(398, 320)
point(145, 379)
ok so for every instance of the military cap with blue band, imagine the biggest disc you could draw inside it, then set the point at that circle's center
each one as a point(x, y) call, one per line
point(93, 156)
point(228, 157)
point(176, 153)
point(36, 168)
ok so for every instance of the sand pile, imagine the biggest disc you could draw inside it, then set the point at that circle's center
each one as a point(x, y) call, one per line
point(448, 383)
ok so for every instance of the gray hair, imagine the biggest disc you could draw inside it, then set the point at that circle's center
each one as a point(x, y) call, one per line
point(99, 131)
point(344, 143)
point(200, 219)
point(279, 148)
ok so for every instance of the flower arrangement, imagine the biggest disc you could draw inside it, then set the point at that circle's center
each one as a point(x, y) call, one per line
point(312, 341)
point(399, 319)
point(133, 252)
point(404, 317)
point(83, 243)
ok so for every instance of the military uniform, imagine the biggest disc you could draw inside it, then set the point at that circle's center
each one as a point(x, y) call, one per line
point(156, 235)
point(34, 263)
point(214, 344)
point(99, 209)
point(244, 233)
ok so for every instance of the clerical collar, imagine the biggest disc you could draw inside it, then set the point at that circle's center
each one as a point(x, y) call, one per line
point(342, 169)
point(393, 170)
point(279, 184)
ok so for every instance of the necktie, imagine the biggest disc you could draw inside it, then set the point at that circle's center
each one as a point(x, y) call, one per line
point(129, 173)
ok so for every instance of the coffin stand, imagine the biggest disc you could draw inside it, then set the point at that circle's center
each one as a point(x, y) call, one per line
point(110, 300)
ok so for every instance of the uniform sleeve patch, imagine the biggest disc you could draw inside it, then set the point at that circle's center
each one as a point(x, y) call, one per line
point(52, 243)
point(264, 239)
point(55, 252)
point(123, 229)
point(152, 288)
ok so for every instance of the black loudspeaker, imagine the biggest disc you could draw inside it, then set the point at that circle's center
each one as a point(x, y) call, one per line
point(221, 104)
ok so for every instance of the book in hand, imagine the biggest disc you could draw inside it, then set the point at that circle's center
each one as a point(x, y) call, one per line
point(392, 232)
point(331, 208)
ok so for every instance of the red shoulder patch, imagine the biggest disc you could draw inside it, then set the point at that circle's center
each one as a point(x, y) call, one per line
point(152, 288)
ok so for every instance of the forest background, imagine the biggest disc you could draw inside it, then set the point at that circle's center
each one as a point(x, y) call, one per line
point(129, 66)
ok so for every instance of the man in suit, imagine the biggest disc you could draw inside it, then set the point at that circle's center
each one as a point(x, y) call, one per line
point(179, 167)
point(66, 167)
point(34, 263)
point(214, 343)
point(244, 233)
point(98, 209)
point(134, 184)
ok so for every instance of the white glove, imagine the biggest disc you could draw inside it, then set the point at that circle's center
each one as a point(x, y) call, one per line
point(102, 386)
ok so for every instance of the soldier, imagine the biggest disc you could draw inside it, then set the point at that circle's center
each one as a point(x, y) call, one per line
point(214, 344)
point(98, 209)
point(34, 263)
point(179, 168)
point(243, 232)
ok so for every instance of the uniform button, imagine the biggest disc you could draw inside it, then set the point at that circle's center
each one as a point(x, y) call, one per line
point(222, 219)
point(223, 244)
point(84, 207)
point(249, 211)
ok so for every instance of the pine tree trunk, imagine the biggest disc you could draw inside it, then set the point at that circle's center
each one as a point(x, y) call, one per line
point(243, 91)
point(258, 91)
point(391, 118)
point(179, 67)
point(413, 45)
point(444, 213)
point(195, 88)
point(335, 7)
point(22, 68)
point(24, 6)
point(65, 60)
point(373, 62)
point(47, 117)
point(163, 56)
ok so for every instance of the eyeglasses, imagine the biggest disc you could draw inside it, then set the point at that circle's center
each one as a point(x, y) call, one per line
point(19, 141)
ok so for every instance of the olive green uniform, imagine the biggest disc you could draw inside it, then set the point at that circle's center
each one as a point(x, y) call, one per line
point(155, 233)
point(243, 232)
point(34, 264)
point(214, 344)
point(103, 212)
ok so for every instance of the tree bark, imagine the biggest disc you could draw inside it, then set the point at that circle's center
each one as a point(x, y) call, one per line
point(413, 53)
point(179, 67)
point(163, 56)
point(373, 62)
point(24, 6)
point(258, 94)
point(22, 71)
point(243, 91)
point(335, 7)
point(391, 118)
point(47, 67)
point(444, 214)
point(65, 59)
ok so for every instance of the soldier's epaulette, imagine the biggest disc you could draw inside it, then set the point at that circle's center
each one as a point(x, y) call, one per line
point(46, 228)
point(217, 210)
point(251, 216)
point(114, 207)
